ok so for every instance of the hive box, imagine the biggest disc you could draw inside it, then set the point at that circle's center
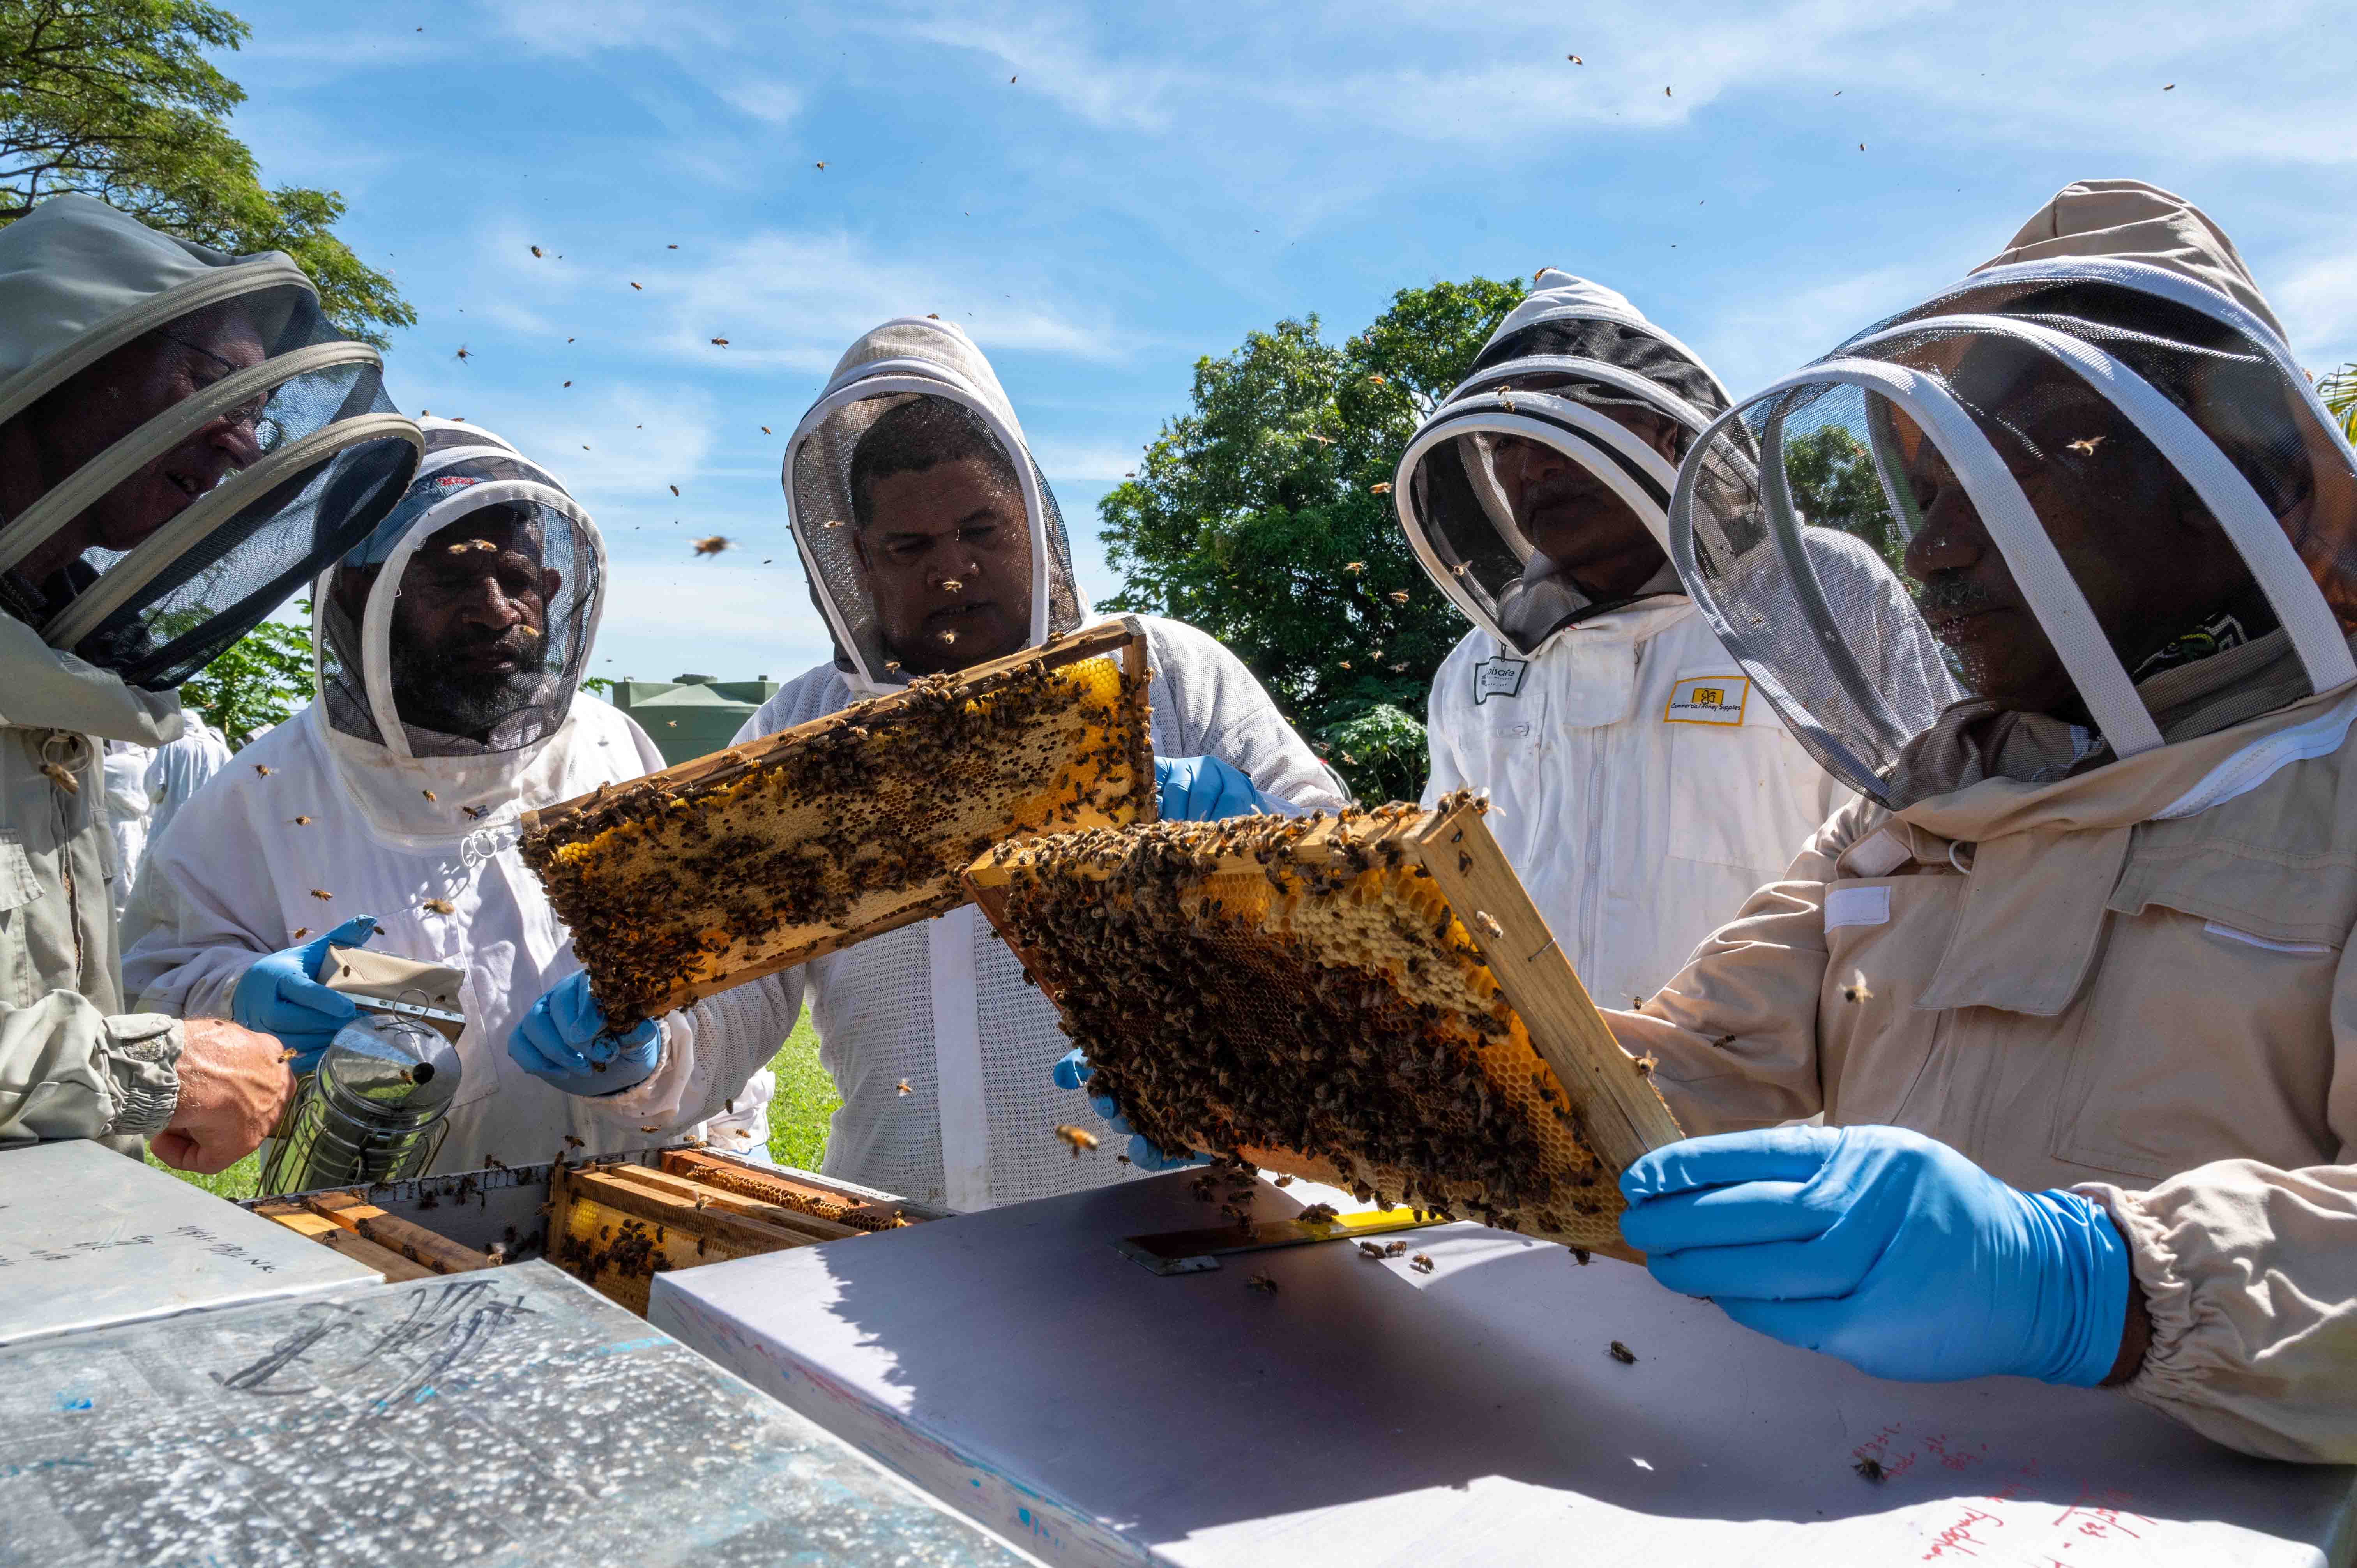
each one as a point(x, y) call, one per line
point(506, 1417)
point(88, 1238)
point(1015, 1365)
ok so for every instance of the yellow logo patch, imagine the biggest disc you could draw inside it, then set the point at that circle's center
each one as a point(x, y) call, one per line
point(1708, 700)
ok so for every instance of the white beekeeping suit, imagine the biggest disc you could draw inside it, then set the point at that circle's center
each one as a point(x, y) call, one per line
point(351, 808)
point(179, 769)
point(942, 1006)
point(128, 811)
point(1645, 786)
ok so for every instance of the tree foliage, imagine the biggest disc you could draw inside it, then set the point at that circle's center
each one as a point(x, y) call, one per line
point(2338, 391)
point(1253, 516)
point(116, 99)
point(261, 681)
point(1833, 484)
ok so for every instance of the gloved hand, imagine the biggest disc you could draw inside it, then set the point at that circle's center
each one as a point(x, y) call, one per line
point(1203, 789)
point(1886, 1249)
point(280, 995)
point(1072, 1072)
point(563, 1039)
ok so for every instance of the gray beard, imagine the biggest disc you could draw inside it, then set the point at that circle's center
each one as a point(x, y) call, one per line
point(432, 697)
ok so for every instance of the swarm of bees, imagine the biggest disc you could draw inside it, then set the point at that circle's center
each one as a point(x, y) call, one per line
point(735, 864)
point(1297, 994)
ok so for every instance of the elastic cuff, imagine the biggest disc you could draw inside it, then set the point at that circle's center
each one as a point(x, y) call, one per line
point(2170, 1371)
point(142, 1057)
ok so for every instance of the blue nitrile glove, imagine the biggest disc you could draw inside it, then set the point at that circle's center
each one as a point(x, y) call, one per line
point(1202, 790)
point(1072, 1072)
point(1886, 1249)
point(563, 1039)
point(280, 995)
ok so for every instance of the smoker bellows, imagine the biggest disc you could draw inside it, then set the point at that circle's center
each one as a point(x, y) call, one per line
point(718, 871)
point(1368, 1000)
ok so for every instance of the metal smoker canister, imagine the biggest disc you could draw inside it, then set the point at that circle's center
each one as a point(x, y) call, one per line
point(372, 1112)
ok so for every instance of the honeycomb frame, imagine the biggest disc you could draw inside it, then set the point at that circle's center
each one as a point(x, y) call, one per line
point(1368, 1000)
point(721, 870)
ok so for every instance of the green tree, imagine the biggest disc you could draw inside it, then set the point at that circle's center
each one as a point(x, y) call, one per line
point(1833, 484)
point(1255, 516)
point(263, 677)
point(117, 99)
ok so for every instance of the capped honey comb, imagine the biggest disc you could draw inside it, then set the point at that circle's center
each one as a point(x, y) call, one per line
point(1368, 1000)
point(735, 865)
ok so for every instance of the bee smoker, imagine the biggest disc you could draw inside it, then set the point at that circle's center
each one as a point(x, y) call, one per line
point(374, 1110)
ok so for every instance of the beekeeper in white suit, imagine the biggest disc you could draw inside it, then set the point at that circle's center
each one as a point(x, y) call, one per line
point(1643, 786)
point(450, 646)
point(184, 440)
point(932, 543)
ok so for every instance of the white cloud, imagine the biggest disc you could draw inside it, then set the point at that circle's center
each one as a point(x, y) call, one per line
point(1065, 462)
point(2318, 306)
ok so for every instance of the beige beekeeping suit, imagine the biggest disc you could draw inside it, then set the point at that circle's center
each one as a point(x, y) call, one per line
point(2129, 975)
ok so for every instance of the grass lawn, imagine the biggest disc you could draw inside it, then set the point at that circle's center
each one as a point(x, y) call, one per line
point(806, 1097)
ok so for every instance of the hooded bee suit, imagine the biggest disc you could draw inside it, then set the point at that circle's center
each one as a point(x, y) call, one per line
point(1643, 786)
point(418, 828)
point(2110, 955)
point(198, 441)
point(942, 1006)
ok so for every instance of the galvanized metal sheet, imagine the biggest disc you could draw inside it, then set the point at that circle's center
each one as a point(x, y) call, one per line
point(89, 1238)
point(504, 1417)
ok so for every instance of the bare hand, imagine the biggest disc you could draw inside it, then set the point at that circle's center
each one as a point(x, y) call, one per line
point(234, 1086)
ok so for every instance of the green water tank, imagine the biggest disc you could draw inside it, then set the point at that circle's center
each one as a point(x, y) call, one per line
point(693, 715)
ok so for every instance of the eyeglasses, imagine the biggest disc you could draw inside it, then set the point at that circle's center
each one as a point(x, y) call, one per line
point(266, 432)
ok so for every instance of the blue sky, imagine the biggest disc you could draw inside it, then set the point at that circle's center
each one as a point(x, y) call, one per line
point(1102, 193)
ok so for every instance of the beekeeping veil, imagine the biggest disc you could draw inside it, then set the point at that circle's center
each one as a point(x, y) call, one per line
point(1571, 349)
point(904, 359)
point(184, 439)
point(475, 496)
point(2118, 342)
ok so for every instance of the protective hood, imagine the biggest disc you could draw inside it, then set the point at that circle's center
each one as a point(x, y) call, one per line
point(899, 364)
point(2106, 406)
point(494, 541)
point(1549, 382)
point(184, 439)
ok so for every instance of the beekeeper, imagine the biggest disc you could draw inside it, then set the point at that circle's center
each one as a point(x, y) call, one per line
point(183, 439)
point(932, 543)
point(1643, 786)
point(180, 768)
point(2087, 928)
point(450, 644)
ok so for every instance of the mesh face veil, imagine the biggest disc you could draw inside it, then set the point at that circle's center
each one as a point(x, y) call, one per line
point(462, 624)
point(876, 402)
point(1551, 424)
point(184, 439)
point(2085, 470)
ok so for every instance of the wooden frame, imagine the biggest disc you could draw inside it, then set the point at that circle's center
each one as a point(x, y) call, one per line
point(667, 951)
point(1620, 1115)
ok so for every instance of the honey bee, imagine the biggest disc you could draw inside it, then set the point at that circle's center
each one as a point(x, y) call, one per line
point(430, 795)
point(2085, 446)
point(951, 585)
point(1856, 990)
point(1580, 1255)
point(649, 1129)
point(903, 1088)
point(712, 546)
point(439, 906)
point(263, 769)
point(300, 932)
point(1420, 1263)
point(947, 637)
point(1317, 1214)
point(1488, 923)
point(1395, 1249)
point(1369, 1249)
point(1399, 596)
point(465, 353)
point(1081, 1138)
point(1871, 1468)
point(302, 822)
point(1354, 567)
point(477, 812)
point(1646, 1064)
point(573, 1141)
point(1262, 1284)
point(290, 1054)
point(1382, 490)
point(321, 894)
point(1623, 1354)
point(1284, 1181)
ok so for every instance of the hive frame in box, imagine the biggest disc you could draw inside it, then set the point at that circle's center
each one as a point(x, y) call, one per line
point(1576, 1071)
point(673, 885)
